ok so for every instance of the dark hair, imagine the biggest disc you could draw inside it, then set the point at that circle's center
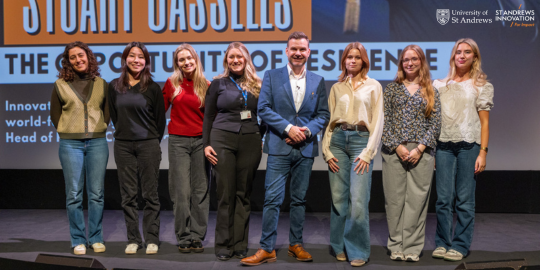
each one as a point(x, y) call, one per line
point(67, 73)
point(297, 35)
point(122, 83)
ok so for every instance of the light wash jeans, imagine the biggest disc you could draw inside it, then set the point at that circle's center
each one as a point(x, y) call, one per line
point(84, 158)
point(349, 216)
point(456, 185)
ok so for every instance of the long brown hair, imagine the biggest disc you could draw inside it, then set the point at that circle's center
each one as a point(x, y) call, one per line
point(200, 84)
point(365, 60)
point(428, 94)
point(122, 84)
point(249, 81)
point(479, 78)
point(67, 73)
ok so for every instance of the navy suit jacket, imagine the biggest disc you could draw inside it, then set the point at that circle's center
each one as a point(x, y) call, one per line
point(276, 108)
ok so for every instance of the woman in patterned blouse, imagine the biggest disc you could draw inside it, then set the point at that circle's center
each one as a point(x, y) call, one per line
point(467, 98)
point(412, 124)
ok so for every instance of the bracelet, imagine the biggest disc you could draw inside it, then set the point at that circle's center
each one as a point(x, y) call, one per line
point(484, 148)
point(418, 149)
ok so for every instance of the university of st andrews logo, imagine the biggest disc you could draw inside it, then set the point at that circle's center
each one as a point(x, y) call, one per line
point(443, 16)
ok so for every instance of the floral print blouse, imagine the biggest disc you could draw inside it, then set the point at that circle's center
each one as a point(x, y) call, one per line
point(404, 119)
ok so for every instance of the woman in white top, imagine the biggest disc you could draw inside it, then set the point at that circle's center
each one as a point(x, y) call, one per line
point(349, 146)
point(466, 99)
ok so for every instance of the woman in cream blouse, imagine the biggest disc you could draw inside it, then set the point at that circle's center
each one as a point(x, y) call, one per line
point(351, 141)
point(466, 99)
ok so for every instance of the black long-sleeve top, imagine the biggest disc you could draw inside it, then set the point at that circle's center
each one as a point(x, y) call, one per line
point(137, 116)
point(223, 104)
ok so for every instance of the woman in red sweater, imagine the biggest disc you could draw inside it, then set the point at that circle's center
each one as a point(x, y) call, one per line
point(185, 91)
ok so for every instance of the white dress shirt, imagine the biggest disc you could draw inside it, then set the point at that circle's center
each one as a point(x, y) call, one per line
point(298, 86)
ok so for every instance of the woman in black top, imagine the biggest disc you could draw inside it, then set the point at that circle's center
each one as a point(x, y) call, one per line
point(138, 114)
point(232, 143)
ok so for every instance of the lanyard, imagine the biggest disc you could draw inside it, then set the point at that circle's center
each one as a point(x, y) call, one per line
point(244, 92)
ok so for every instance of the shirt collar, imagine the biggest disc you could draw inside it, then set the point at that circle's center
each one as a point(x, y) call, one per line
point(291, 72)
point(349, 80)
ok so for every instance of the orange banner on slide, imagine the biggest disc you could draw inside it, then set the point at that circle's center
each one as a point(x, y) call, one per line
point(32, 22)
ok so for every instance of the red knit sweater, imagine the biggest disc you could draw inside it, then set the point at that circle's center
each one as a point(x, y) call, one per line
point(186, 114)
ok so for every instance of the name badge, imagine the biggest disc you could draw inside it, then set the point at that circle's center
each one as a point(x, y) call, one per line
point(246, 114)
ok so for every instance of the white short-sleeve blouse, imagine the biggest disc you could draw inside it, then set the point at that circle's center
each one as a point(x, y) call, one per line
point(460, 104)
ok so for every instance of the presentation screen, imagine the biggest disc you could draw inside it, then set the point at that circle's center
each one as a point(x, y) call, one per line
point(34, 33)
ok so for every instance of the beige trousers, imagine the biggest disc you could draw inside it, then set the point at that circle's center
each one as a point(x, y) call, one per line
point(406, 196)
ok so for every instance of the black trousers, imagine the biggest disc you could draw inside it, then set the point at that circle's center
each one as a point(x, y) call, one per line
point(238, 157)
point(139, 161)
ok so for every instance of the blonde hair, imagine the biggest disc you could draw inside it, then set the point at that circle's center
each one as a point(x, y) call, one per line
point(427, 91)
point(200, 84)
point(479, 78)
point(249, 80)
point(363, 56)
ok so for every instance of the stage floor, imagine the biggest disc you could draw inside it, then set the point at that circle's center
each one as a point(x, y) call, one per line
point(25, 233)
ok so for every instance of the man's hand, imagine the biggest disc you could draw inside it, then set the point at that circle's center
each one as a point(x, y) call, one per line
point(297, 134)
point(289, 141)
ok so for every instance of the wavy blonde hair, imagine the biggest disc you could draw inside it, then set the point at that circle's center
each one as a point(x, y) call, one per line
point(363, 55)
point(479, 78)
point(200, 84)
point(427, 91)
point(249, 80)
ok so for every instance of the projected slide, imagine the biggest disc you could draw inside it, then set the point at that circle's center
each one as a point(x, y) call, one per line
point(34, 33)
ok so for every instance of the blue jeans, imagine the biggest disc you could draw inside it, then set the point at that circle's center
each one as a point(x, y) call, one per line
point(456, 186)
point(278, 170)
point(84, 158)
point(349, 216)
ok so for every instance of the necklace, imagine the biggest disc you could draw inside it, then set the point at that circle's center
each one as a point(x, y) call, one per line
point(409, 83)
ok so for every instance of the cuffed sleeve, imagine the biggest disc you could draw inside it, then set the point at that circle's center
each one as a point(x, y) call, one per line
point(210, 111)
point(375, 126)
point(265, 106)
point(327, 154)
point(485, 98)
point(322, 115)
point(433, 125)
point(389, 139)
point(56, 107)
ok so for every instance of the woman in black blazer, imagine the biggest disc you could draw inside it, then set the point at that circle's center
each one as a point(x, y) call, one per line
point(232, 143)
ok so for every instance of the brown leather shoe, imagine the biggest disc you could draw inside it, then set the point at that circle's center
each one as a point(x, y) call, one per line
point(299, 253)
point(260, 257)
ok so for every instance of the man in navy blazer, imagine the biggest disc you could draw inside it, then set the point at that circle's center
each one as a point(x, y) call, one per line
point(294, 104)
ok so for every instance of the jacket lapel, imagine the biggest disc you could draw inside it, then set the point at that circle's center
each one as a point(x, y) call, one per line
point(287, 86)
point(310, 92)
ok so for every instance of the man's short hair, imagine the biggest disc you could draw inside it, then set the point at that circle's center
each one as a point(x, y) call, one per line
point(297, 35)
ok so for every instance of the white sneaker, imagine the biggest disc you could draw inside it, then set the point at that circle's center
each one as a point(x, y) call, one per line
point(151, 249)
point(412, 257)
point(79, 250)
point(453, 255)
point(132, 248)
point(439, 253)
point(98, 247)
point(397, 256)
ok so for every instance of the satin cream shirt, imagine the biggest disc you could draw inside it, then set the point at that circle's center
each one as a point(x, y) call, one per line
point(360, 106)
